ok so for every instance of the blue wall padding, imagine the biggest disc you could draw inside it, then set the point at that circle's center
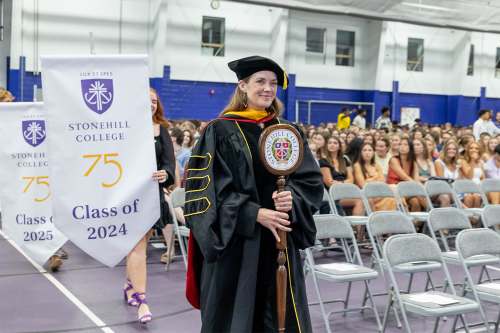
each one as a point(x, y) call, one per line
point(192, 99)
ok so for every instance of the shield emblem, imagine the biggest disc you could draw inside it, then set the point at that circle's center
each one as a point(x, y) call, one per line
point(98, 94)
point(34, 131)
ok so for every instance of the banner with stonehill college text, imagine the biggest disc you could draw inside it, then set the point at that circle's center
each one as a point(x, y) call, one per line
point(25, 183)
point(101, 151)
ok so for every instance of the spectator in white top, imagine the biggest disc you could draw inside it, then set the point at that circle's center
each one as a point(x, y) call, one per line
point(384, 121)
point(484, 125)
point(360, 120)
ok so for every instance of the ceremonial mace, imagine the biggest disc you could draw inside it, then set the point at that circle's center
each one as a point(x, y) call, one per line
point(280, 149)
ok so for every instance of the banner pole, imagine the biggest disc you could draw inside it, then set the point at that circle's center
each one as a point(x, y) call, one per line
point(92, 49)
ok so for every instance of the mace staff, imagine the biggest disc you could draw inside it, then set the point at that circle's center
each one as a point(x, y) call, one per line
point(281, 161)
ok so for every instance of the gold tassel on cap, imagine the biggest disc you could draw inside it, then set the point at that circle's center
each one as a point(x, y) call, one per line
point(285, 85)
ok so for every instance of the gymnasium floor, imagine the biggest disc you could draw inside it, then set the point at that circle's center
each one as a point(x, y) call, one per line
point(30, 302)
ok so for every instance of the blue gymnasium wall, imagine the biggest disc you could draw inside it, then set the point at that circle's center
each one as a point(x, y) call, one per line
point(192, 100)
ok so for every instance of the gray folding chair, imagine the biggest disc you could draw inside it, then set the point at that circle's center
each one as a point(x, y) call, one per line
point(479, 242)
point(491, 217)
point(467, 186)
point(393, 222)
point(177, 199)
point(347, 191)
point(411, 189)
point(438, 187)
point(487, 186)
point(377, 190)
point(441, 219)
point(335, 226)
point(416, 249)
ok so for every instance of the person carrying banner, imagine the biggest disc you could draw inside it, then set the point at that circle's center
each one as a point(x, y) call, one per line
point(233, 211)
point(135, 288)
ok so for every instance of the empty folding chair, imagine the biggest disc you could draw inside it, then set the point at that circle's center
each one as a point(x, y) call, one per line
point(491, 217)
point(412, 189)
point(477, 243)
point(488, 186)
point(336, 226)
point(177, 199)
point(419, 249)
point(393, 222)
point(448, 219)
point(467, 186)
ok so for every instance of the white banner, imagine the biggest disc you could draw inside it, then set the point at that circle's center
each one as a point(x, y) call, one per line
point(101, 148)
point(25, 182)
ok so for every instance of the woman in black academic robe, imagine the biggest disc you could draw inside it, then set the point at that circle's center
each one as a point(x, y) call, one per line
point(233, 212)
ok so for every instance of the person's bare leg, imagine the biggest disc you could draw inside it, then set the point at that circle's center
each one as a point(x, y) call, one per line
point(371, 202)
point(477, 200)
point(415, 204)
point(359, 208)
point(468, 200)
point(167, 233)
point(136, 268)
point(131, 291)
point(444, 200)
point(494, 198)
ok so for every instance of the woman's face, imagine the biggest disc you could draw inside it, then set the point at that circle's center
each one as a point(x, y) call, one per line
point(404, 148)
point(418, 147)
point(452, 151)
point(187, 137)
point(333, 146)
point(473, 150)
point(367, 153)
point(471, 140)
point(343, 136)
point(430, 146)
point(342, 142)
point(459, 133)
point(417, 135)
point(319, 141)
point(486, 140)
point(154, 102)
point(376, 135)
point(260, 90)
point(310, 132)
point(381, 148)
point(361, 135)
point(335, 133)
point(395, 140)
point(369, 139)
point(350, 137)
point(492, 144)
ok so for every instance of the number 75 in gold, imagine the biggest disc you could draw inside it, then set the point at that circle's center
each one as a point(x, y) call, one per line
point(106, 161)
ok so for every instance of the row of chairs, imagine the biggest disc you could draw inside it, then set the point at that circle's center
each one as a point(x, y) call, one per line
point(409, 252)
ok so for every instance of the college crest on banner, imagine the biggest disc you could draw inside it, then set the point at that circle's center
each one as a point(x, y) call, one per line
point(102, 154)
point(26, 186)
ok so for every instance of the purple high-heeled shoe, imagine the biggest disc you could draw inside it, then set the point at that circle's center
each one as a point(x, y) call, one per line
point(125, 297)
point(141, 302)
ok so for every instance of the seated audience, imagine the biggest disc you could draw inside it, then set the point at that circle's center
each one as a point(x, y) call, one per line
point(320, 139)
point(350, 137)
point(492, 170)
point(423, 158)
point(472, 168)
point(464, 142)
point(395, 140)
point(182, 153)
point(366, 170)
point(431, 148)
point(382, 157)
point(447, 166)
point(489, 149)
point(369, 138)
point(352, 150)
point(404, 168)
point(336, 169)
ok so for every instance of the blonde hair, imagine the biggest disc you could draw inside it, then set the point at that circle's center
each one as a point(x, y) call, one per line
point(239, 99)
point(5, 94)
point(443, 156)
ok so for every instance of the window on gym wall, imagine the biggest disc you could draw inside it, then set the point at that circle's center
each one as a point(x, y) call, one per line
point(315, 46)
point(345, 48)
point(415, 59)
point(213, 36)
point(497, 64)
point(470, 67)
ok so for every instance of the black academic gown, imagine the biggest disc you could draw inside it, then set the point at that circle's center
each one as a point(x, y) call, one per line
point(226, 186)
